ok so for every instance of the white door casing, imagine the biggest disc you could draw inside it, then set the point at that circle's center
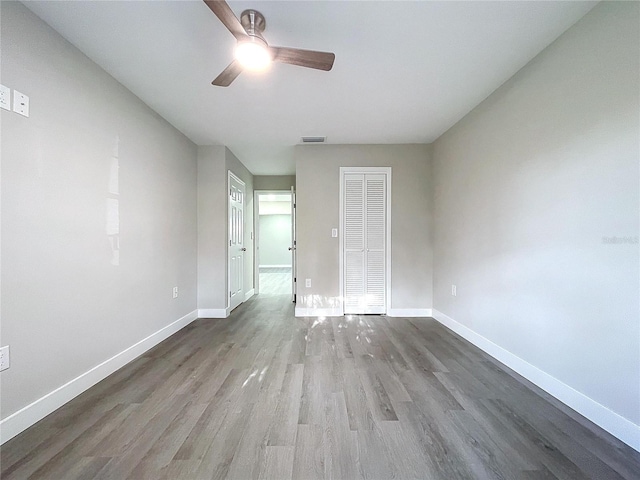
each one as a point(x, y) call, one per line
point(236, 249)
point(365, 233)
point(293, 246)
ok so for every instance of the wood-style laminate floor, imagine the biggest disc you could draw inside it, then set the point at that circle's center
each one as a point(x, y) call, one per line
point(265, 395)
point(275, 281)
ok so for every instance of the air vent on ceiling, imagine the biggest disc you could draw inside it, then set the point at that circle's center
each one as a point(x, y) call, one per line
point(313, 139)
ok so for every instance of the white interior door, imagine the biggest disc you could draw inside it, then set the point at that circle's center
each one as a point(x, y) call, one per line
point(236, 241)
point(365, 243)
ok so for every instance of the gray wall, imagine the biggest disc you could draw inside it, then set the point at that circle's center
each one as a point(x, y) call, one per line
point(318, 205)
point(214, 162)
point(240, 171)
point(65, 306)
point(274, 182)
point(212, 233)
point(529, 187)
point(275, 239)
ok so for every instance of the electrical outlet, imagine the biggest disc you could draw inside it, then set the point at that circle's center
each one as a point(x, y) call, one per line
point(307, 283)
point(175, 292)
point(5, 361)
point(20, 103)
point(454, 290)
point(5, 97)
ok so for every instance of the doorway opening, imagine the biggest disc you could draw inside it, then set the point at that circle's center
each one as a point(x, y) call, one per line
point(275, 226)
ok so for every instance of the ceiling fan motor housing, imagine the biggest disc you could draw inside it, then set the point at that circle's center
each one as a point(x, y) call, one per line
point(254, 23)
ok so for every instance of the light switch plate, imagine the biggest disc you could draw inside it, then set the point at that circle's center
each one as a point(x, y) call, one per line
point(334, 232)
point(5, 97)
point(20, 103)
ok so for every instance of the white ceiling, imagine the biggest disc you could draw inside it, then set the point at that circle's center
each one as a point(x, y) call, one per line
point(405, 72)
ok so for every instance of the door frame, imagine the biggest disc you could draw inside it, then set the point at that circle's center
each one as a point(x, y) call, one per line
point(294, 253)
point(365, 170)
point(256, 232)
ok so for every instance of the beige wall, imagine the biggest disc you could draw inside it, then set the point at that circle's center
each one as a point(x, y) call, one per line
point(274, 182)
point(66, 306)
point(318, 204)
point(529, 187)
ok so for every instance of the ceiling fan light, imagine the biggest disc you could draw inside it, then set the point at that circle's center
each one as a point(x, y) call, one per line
point(253, 55)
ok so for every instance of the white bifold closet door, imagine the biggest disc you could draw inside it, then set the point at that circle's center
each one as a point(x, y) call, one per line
point(364, 230)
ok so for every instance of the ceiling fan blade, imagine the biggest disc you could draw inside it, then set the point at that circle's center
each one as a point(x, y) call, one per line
point(228, 75)
point(222, 10)
point(303, 58)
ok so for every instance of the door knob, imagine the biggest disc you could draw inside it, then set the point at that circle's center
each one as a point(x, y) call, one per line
point(290, 248)
point(243, 249)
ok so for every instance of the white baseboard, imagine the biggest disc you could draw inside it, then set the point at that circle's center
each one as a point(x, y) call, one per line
point(274, 266)
point(318, 312)
point(36, 411)
point(409, 312)
point(249, 294)
point(338, 312)
point(610, 421)
point(213, 312)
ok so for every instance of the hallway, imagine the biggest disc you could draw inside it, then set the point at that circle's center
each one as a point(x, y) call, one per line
point(263, 394)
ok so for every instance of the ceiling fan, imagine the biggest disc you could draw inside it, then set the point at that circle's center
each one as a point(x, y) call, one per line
point(253, 52)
